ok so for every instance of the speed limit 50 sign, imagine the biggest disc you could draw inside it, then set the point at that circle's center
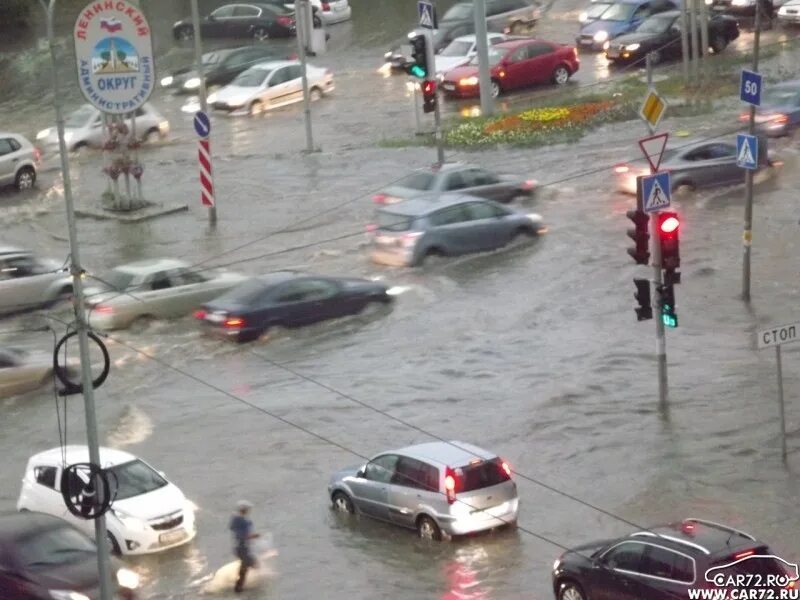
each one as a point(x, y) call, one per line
point(750, 90)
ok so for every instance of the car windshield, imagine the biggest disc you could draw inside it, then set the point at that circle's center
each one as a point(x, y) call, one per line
point(53, 547)
point(135, 478)
point(210, 58)
point(80, 117)
point(252, 78)
point(118, 280)
point(457, 48)
point(459, 11)
point(495, 56)
point(417, 181)
point(621, 11)
point(656, 24)
point(780, 96)
point(393, 222)
point(481, 475)
point(597, 9)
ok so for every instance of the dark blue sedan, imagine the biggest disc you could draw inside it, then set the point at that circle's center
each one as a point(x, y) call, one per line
point(287, 299)
point(779, 113)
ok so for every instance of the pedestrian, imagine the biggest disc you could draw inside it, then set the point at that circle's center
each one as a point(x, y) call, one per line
point(242, 529)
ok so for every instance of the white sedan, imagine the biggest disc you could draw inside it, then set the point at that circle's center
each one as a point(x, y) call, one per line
point(789, 13)
point(461, 50)
point(22, 371)
point(269, 85)
point(332, 11)
point(136, 293)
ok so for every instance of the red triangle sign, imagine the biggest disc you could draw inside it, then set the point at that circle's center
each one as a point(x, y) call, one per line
point(653, 149)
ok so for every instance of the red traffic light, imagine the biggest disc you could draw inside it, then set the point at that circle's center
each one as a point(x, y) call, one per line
point(670, 224)
point(429, 87)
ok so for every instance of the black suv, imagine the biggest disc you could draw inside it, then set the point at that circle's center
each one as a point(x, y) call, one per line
point(665, 562)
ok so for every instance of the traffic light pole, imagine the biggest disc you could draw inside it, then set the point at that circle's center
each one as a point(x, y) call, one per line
point(437, 115)
point(302, 17)
point(747, 235)
point(482, 46)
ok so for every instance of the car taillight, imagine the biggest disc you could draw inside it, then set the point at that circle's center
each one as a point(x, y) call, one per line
point(37, 155)
point(529, 184)
point(744, 117)
point(506, 468)
point(379, 198)
point(326, 7)
point(575, 51)
point(743, 554)
point(450, 485)
point(780, 119)
point(621, 169)
point(409, 239)
point(103, 308)
point(285, 21)
point(234, 323)
point(199, 314)
point(371, 228)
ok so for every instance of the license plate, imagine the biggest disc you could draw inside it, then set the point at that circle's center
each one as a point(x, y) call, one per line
point(214, 318)
point(449, 86)
point(172, 536)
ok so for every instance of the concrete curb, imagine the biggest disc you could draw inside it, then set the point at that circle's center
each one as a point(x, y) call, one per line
point(143, 214)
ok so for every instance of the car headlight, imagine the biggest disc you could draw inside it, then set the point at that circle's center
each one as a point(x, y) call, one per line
point(601, 36)
point(127, 579)
point(536, 218)
point(167, 81)
point(632, 47)
point(583, 16)
point(556, 564)
point(68, 136)
point(67, 595)
point(192, 83)
point(128, 520)
point(212, 97)
point(388, 56)
point(43, 134)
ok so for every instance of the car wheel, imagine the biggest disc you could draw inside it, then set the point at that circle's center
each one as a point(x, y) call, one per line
point(427, 529)
point(63, 295)
point(655, 57)
point(521, 232)
point(260, 34)
point(315, 94)
point(718, 43)
point(561, 75)
point(342, 503)
point(256, 108)
point(152, 136)
point(113, 546)
point(25, 178)
point(432, 255)
point(81, 149)
point(570, 591)
point(185, 34)
point(495, 88)
point(141, 324)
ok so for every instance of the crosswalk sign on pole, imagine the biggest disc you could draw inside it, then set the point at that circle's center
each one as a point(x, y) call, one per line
point(747, 151)
point(656, 194)
point(427, 15)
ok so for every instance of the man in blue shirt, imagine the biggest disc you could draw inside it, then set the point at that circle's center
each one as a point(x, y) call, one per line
point(242, 529)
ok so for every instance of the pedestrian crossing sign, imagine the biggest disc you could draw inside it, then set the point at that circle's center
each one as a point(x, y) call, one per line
point(656, 192)
point(427, 16)
point(747, 151)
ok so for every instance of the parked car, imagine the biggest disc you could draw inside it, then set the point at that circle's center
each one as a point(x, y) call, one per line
point(779, 112)
point(287, 299)
point(663, 562)
point(437, 488)
point(28, 282)
point(621, 17)
point(84, 128)
point(660, 36)
point(408, 233)
point(332, 12)
point(220, 67)
point(149, 514)
point(789, 13)
point(746, 9)
point(44, 558)
point(259, 21)
point(18, 161)
point(698, 165)
point(138, 292)
point(269, 85)
point(512, 65)
point(461, 50)
point(23, 371)
point(458, 177)
point(594, 11)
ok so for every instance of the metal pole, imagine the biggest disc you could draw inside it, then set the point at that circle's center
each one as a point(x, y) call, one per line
point(202, 91)
point(482, 45)
point(780, 402)
point(437, 115)
point(415, 105)
point(747, 234)
point(103, 563)
point(301, 11)
point(704, 42)
point(695, 38)
point(685, 44)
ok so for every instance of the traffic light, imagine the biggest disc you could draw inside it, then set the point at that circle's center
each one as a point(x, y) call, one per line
point(645, 310)
point(418, 67)
point(668, 229)
point(666, 295)
point(639, 235)
point(428, 96)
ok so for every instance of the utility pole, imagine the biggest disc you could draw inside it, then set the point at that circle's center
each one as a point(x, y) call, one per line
point(685, 43)
point(198, 65)
point(695, 42)
point(482, 45)
point(704, 41)
point(437, 115)
point(302, 17)
point(747, 235)
point(103, 563)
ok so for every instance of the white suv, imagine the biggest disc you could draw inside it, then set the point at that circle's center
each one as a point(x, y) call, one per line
point(18, 160)
point(149, 514)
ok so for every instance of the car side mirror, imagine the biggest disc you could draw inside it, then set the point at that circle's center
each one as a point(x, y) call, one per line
point(361, 472)
point(212, 18)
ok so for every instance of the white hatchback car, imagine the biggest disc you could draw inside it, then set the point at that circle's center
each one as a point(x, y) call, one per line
point(28, 282)
point(270, 85)
point(18, 160)
point(149, 514)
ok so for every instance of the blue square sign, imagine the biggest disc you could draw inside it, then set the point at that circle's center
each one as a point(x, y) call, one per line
point(750, 90)
point(427, 14)
point(656, 192)
point(747, 151)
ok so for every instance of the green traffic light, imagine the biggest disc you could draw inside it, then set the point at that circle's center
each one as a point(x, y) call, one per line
point(418, 71)
point(668, 317)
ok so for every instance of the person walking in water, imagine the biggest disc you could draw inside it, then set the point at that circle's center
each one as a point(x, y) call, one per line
point(242, 529)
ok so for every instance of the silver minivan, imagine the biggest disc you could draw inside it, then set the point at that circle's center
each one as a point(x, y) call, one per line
point(438, 488)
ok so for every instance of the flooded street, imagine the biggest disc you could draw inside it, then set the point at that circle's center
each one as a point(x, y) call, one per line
point(533, 352)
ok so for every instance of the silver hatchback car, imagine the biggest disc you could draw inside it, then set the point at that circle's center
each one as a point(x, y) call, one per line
point(437, 488)
point(408, 232)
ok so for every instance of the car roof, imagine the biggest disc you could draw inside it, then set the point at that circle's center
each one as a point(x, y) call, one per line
point(271, 65)
point(13, 249)
point(452, 453)
point(428, 203)
point(277, 277)
point(19, 525)
point(144, 267)
point(513, 44)
point(695, 536)
point(109, 457)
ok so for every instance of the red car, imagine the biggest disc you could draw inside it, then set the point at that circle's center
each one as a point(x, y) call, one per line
point(515, 64)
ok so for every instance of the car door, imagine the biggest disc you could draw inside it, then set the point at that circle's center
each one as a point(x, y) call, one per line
point(613, 576)
point(189, 289)
point(415, 484)
point(295, 303)
point(371, 490)
point(692, 167)
point(240, 24)
point(278, 89)
point(45, 491)
point(216, 25)
point(514, 68)
point(24, 283)
point(487, 185)
point(295, 82)
point(325, 300)
point(450, 230)
point(157, 298)
point(669, 571)
point(9, 159)
point(722, 165)
point(541, 63)
point(488, 230)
